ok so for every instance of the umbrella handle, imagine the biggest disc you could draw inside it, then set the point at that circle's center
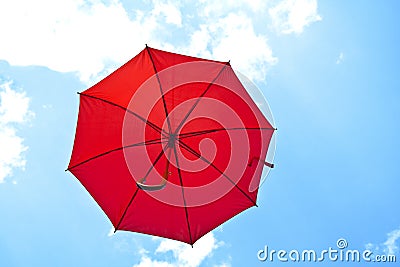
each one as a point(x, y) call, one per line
point(141, 183)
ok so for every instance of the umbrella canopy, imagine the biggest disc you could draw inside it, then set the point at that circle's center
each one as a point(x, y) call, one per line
point(170, 145)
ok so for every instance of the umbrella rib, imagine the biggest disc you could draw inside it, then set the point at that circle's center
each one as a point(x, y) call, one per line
point(126, 209)
point(152, 125)
point(161, 90)
point(191, 150)
point(191, 134)
point(183, 194)
point(199, 98)
point(145, 143)
point(137, 189)
point(155, 162)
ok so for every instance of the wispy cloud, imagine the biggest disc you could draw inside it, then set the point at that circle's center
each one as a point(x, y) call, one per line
point(14, 111)
point(111, 232)
point(223, 265)
point(390, 246)
point(292, 16)
point(340, 58)
point(183, 254)
point(391, 243)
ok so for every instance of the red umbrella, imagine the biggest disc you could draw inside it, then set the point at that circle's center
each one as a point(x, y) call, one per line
point(170, 145)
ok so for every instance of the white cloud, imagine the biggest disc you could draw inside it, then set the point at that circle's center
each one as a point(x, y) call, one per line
point(14, 106)
point(14, 110)
point(111, 232)
point(77, 35)
point(292, 16)
point(233, 37)
point(169, 10)
point(183, 254)
point(12, 148)
point(340, 58)
point(210, 8)
point(237, 40)
point(390, 246)
point(93, 37)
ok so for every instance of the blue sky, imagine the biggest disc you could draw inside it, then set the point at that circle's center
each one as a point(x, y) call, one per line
point(329, 70)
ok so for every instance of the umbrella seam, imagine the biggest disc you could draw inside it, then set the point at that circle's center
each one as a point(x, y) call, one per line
point(126, 209)
point(199, 98)
point(191, 150)
point(152, 125)
point(150, 142)
point(130, 202)
point(183, 195)
point(191, 134)
point(154, 163)
point(161, 90)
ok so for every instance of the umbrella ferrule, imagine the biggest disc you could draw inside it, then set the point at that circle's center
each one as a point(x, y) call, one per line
point(171, 140)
